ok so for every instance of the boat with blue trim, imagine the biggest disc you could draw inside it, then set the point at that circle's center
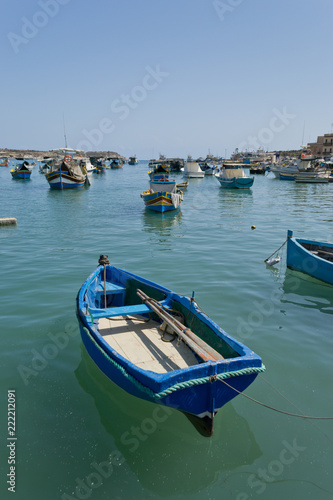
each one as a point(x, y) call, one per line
point(160, 346)
point(163, 195)
point(21, 171)
point(233, 176)
point(70, 172)
point(133, 160)
point(314, 258)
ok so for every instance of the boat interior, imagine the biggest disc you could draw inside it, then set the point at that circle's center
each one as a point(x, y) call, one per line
point(141, 335)
point(325, 252)
point(141, 341)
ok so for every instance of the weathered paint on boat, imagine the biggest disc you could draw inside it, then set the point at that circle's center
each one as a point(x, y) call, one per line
point(310, 260)
point(200, 390)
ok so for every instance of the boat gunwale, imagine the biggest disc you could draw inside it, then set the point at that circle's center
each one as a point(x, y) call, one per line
point(299, 244)
point(156, 381)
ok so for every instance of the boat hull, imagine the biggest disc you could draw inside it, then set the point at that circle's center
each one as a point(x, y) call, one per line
point(236, 182)
point(303, 260)
point(160, 201)
point(199, 390)
point(287, 177)
point(21, 175)
point(60, 180)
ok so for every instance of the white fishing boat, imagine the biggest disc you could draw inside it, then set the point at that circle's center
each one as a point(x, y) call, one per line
point(192, 169)
point(233, 176)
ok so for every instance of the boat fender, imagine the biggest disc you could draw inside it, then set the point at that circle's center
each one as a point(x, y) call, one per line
point(273, 261)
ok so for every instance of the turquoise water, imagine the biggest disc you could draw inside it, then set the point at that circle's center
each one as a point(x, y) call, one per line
point(79, 436)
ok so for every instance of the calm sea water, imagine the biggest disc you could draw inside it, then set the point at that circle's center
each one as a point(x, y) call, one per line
point(78, 435)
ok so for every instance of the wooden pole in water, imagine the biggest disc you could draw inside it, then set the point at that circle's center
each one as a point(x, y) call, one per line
point(205, 351)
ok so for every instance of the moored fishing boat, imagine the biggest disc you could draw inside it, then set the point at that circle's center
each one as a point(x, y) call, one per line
point(159, 171)
point(314, 258)
point(163, 195)
point(4, 162)
point(315, 175)
point(132, 160)
point(208, 168)
point(68, 173)
point(127, 325)
point(21, 171)
point(233, 176)
point(182, 186)
point(116, 163)
point(192, 169)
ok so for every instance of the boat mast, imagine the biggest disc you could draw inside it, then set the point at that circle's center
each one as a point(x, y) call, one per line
point(63, 119)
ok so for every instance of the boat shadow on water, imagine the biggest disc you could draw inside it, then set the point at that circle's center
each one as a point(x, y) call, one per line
point(303, 290)
point(159, 444)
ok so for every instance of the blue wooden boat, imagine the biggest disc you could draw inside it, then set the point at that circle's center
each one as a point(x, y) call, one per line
point(116, 164)
point(311, 257)
point(233, 176)
point(66, 174)
point(159, 346)
point(21, 171)
point(163, 195)
point(132, 160)
point(286, 177)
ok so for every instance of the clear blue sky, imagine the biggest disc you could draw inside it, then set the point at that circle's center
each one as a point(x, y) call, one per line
point(175, 77)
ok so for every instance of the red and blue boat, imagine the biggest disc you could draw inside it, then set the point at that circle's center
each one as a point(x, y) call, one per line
point(163, 195)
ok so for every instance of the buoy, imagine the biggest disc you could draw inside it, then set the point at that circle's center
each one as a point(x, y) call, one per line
point(253, 227)
point(273, 261)
point(8, 221)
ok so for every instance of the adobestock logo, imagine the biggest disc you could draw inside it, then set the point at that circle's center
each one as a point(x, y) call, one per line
point(278, 122)
point(122, 107)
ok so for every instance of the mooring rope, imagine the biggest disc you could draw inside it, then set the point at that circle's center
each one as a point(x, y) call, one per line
point(276, 409)
point(277, 249)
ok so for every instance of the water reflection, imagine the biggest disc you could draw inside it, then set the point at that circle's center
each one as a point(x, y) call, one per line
point(160, 446)
point(162, 227)
point(235, 202)
point(305, 291)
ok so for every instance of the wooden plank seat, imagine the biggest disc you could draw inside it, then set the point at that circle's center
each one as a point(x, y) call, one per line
point(324, 252)
point(110, 312)
point(110, 288)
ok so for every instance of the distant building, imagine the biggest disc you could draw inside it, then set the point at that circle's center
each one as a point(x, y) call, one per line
point(323, 147)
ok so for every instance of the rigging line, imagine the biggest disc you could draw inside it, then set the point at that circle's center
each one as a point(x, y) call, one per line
point(276, 409)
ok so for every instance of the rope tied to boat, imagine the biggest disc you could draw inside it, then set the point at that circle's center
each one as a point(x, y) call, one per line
point(276, 251)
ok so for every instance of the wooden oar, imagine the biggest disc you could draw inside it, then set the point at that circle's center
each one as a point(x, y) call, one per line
point(199, 346)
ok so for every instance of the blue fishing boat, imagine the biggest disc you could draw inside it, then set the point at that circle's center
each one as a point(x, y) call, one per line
point(233, 176)
point(21, 171)
point(66, 174)
point(286, 177)
point(160, 346)
point(311, 257)
point(132, 160)
point(163, 195)
point(116, 163)
point(4, 162)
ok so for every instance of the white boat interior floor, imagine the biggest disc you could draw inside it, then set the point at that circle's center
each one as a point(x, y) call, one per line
point(141, 343)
